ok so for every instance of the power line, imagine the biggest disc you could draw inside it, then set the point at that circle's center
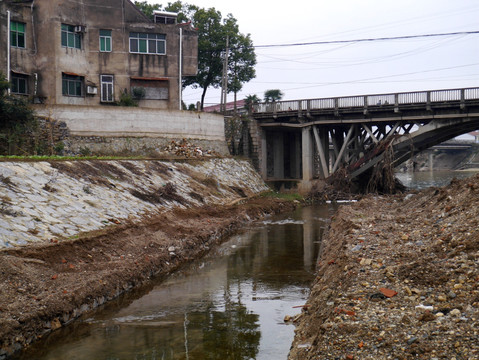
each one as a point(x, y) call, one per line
point(369, 39)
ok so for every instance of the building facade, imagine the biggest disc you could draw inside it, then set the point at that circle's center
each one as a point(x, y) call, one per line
point(90, 52)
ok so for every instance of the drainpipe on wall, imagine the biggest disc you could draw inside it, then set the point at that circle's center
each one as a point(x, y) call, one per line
point(180, 74)
point(8, 49)
point(35, 76)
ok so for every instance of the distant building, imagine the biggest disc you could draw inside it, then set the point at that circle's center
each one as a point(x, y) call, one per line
point(230, 106)
point(89, 52)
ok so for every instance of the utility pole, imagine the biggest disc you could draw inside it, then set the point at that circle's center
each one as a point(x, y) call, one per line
point(224, 85)
point(180, 72)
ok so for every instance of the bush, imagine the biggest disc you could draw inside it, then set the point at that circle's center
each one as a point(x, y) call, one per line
point(127, 100)
point(138, 93)
point(17, 123)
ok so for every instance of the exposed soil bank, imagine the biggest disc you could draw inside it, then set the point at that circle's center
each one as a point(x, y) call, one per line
point(398, 278)
point(45, 287)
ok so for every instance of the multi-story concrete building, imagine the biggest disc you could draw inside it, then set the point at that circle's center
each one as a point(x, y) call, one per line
point(90, 52)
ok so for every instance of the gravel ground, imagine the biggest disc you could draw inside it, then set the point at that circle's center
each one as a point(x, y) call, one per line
point(397, 279)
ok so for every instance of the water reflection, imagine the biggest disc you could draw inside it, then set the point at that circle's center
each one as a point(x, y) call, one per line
point(230, 305)
point(424, 179)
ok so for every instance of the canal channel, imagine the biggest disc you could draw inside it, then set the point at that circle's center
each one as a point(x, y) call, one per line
point(229, 305)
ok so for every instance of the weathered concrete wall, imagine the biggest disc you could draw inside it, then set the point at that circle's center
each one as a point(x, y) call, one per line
point(44, 58)
point(132, 121)
point(153, 147)
point(42, 201)
point(131, 131)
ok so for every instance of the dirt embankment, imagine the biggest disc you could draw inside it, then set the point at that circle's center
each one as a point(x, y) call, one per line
point(398, 278)
point(47, 286)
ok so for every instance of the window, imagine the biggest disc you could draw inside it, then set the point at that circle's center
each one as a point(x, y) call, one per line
point(19, 84)
point(17, 34)
point(106, 88)
point(105, 40)
point(143, 43)
point(70, 38)
point(163, 18)
point(152, 88)
point(72, 85)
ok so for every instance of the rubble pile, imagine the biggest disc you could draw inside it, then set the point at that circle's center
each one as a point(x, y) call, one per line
point(186, 149)
point(398, 278)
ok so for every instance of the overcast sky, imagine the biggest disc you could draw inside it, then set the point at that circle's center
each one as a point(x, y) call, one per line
point(354, 68)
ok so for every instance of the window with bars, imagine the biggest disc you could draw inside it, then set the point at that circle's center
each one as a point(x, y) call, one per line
point(144, 43)
point(72, 85)
point(106, 82)
point(70, 38)
point(17, 34)
point(105, 40)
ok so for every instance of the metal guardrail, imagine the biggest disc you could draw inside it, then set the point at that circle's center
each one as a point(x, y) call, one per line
point(364, 101)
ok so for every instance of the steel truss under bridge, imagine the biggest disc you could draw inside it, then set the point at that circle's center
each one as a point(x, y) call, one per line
point(354, 132)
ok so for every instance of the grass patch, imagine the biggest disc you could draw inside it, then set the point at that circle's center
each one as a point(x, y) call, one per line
point(285, 196)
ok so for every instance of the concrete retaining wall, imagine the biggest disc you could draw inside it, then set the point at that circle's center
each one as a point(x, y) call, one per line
point(132, 121)
point(44, 200)
point(121, 130)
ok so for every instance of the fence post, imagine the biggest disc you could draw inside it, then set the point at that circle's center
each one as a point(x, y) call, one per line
point(396, 103)
point(428, 101)
point(463, 102)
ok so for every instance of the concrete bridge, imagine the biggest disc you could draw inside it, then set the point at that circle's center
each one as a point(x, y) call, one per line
point(306, 139)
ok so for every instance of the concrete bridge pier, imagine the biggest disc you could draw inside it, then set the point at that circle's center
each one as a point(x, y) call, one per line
point(281, 155)
point(307, 156)
point(278, 156)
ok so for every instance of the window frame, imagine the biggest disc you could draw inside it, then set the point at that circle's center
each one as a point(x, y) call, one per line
point(69, 38)
point(110, 88)
point(107, 40)
point(145, 41)
point(16, 35)
point(15, 81)
point(72, 82)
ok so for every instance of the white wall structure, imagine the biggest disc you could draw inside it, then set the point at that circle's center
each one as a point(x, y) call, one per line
point(132, 121)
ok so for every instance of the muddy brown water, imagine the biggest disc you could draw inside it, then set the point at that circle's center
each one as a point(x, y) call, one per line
point(229, 305)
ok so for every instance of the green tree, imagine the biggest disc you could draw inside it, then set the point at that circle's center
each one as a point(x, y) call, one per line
point(17, 123)
point(147, 8)
point(241, 62)
point(213, 30)
point(184, 11)
point(251, 100)
point(273, 95)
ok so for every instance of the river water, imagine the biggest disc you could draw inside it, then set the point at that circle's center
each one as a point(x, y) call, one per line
point(229, 305)
point(424, 179)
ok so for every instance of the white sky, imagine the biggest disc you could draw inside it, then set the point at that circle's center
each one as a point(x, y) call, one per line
point(360, 68)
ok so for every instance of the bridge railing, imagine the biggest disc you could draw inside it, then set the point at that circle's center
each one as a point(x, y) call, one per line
point(416, 97)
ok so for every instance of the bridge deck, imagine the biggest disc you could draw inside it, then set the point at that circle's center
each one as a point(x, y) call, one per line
point(315, 138)
point(377, 107)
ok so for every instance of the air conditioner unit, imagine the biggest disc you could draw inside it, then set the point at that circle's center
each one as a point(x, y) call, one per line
point(91, 90)
point(80, 29)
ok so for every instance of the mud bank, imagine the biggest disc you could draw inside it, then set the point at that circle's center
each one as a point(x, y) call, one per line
point(398, 278)
point(155, 228)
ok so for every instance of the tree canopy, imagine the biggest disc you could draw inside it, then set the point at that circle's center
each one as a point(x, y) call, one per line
point(16, 120)
point(251, 100)
point(273, 95)
point(213, 30)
